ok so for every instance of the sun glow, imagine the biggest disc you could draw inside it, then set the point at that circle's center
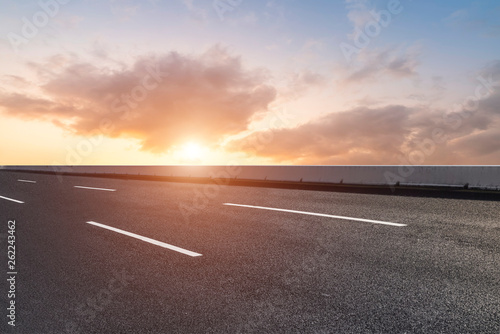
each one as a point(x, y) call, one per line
point(192, 151)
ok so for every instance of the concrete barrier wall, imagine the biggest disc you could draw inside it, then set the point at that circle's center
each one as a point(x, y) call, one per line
point(487, 177)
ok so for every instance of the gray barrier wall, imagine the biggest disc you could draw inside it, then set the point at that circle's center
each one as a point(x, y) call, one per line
point(485, 177)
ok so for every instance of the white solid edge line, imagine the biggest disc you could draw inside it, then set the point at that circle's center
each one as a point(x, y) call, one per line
point(146, 239)
point(13, 200)
point(104, 189)
point(27, 181)
point(318, 214)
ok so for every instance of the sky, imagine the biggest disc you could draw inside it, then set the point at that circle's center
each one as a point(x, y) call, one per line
point(273, 82)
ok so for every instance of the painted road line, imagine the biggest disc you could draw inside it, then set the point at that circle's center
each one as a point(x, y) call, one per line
point(27, 181)
point(152, 241)
point(103, 189)
point(11, 199)
point(318, 214)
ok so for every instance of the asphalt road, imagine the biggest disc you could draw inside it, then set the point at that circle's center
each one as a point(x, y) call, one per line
point(419, 265)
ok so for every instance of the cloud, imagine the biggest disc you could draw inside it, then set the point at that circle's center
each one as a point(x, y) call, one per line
point(15, 81)
point(299, 83)
point(396, 63)
point(378, 133)
point(161, 101)
point(491, 70)
point(27, 107)
point(389, 135)
point(480, 144)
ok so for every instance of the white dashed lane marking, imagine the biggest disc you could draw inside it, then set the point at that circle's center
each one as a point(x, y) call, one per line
point(318, 214)
point(146, 239)
point(91, 188)
point(26, 181)
point(12, 200)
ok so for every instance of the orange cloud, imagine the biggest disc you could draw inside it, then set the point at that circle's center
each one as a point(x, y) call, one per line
point(168, 100)
point(161, 101)
point(388, 135)
point(334, 136)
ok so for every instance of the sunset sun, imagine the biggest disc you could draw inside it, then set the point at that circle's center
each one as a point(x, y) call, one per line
point(192, 151)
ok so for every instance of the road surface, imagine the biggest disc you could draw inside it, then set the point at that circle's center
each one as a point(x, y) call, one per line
point(96, 255)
